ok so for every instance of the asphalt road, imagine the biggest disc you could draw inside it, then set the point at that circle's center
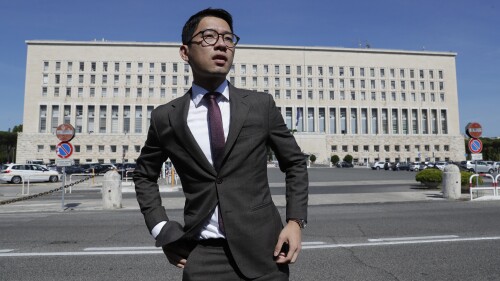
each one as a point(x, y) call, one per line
point(425, 239)
point(397, 241)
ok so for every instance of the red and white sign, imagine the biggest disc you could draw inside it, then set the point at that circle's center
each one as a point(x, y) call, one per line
point(65, 132)
point(64, 149)
point(474, 130)
point(475, 145)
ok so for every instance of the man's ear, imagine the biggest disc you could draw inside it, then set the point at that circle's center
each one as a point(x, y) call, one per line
point(183, 52)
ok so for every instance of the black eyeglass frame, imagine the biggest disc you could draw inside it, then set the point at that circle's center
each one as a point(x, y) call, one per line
point(217, 40)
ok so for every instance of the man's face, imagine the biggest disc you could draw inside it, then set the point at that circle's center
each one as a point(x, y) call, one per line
point(209, 63)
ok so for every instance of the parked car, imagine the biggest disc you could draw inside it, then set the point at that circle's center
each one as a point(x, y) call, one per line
point(400, 166)
point(125, 169)
point(417, 166)
point(15, 173)
point(75, 169)
point(482, 167)
point(96, 168)
point(468, 165)
point(440, 165)
point(344, 164)
point(378, 165)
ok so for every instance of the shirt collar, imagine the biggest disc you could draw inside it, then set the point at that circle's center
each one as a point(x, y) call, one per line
point(198, 92)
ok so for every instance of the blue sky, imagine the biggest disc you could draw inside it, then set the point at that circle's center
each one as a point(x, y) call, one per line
point(469, 28)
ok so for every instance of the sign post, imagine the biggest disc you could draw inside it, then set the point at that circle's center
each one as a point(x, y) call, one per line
point(65, 133)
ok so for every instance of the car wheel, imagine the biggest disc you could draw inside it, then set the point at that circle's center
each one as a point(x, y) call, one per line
point(53, 178)
point(16, 180)
point(491, 171)
point(378, 168)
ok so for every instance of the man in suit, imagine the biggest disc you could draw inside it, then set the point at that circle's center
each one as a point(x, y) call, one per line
point(232, 229)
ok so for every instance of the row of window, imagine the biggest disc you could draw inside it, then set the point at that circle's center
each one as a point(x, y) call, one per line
point(91, 66)
point(417, 148)
point(333, 120)
point(152, 80)
point(93, 148)
point(244, 69)
point(163, 92)
point(337, 71)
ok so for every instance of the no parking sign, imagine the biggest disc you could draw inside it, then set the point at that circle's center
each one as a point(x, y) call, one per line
point(64, 149)
point(475, 145)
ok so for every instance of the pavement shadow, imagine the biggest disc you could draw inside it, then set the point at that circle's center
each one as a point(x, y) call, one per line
point(71, 205)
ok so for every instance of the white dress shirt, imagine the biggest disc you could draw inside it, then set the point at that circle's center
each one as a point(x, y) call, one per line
point(198, 125)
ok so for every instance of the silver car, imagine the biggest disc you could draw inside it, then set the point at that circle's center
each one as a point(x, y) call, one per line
point(17, 173)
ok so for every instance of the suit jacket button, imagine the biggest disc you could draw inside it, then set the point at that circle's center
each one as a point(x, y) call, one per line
point(218, 181)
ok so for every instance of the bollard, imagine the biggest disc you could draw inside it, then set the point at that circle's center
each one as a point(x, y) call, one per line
point(111, 191)
point(451, 182)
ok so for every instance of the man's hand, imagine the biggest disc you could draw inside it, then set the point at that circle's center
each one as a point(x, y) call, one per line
point(289, 243)
point(176, 253)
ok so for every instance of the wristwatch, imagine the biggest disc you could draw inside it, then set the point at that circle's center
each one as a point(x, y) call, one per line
point(300, 222)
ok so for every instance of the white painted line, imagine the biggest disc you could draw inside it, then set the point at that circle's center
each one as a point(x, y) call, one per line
point(306, 245)
point(412, 238)
point(313, 243)
point(400, 242)
point(6, 250)
point(120, 248)
point(98, 253)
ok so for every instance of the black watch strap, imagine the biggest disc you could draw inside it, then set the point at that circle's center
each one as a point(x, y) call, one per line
point(300, 222)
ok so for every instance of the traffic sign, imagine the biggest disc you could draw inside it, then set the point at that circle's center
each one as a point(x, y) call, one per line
point(65, 132)
point(64, 162)
point(64, 149)
point(475, 145)
point(474, 130)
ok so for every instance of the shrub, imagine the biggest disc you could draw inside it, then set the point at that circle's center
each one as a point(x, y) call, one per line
point(429, 177)
point(312, 158)
point(335, 159)
point(348, 158)
point(465, 176)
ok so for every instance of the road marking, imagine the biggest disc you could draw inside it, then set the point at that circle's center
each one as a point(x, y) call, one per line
point(313, 243)
point(412, 238)
point(6, 250)
point(389, 243)
point(120, 248)
point(306, 245)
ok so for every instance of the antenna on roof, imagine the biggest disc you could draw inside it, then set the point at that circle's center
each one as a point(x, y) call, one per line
point(367, 45)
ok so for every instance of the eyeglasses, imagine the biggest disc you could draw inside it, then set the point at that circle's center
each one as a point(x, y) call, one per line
point(210, 37)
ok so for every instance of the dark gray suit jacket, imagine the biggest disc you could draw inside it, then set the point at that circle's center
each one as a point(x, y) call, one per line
point(251, 220)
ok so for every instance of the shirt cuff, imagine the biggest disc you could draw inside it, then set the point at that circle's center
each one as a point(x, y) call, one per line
point(156, 230)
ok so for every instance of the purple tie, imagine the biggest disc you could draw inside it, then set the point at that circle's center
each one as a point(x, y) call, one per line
point(216, 130)
point(217, 140)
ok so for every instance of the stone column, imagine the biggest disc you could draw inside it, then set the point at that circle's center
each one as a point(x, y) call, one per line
point(451, 182)
point(111, 191)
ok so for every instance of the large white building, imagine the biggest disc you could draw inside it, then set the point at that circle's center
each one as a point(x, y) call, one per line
point(370, 103)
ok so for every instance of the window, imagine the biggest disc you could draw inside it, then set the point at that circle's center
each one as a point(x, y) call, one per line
point(277, 69)
point(88, 148)
point(45, 79)
point(117, 66)
point(243, 69)
point(341, 71)
point(70, 66)
point(92, 66)
point(82, 66)
point(105, 66)
point(299, 70)
point(45, 66)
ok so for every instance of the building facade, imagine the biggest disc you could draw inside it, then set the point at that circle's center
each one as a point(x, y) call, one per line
point(373, 104)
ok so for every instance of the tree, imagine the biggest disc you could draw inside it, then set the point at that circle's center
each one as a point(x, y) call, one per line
point(334, 159)
point(8, 142)
point(348, 158)
point(312, 158)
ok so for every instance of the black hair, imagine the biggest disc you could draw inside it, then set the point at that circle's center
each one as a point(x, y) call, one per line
point(192, 23)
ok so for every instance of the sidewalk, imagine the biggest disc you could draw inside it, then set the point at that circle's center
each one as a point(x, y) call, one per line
point(75, 202)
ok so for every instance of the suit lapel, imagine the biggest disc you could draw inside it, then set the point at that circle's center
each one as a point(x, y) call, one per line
point(239, 110)
point(178, 119)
